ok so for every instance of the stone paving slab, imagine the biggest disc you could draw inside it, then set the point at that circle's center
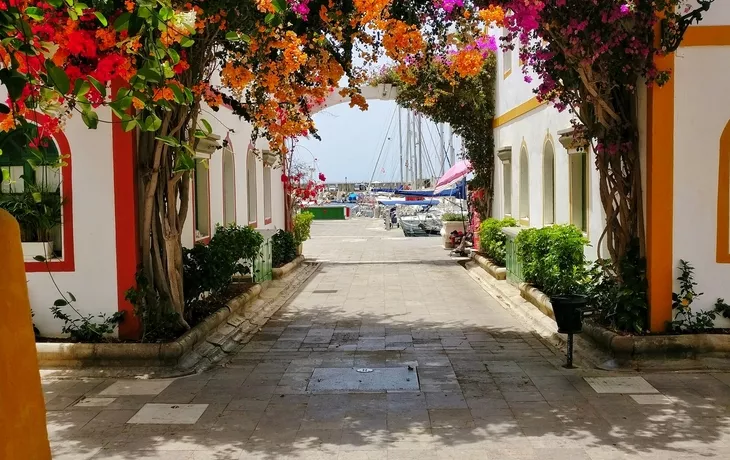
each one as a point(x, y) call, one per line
point(490, 389)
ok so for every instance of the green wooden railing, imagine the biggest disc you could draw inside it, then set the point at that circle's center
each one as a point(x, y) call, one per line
point(514, 268)
point(262, 264)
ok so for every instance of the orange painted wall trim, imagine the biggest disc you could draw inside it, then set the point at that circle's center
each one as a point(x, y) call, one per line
point(518, 111)
point(660, 193)
point(67, 263)
point(723, 199)
point(706, 36)
point(125, 222)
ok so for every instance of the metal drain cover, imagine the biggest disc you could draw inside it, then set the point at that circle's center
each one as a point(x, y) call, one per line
point(363, 379)
point(324, 291)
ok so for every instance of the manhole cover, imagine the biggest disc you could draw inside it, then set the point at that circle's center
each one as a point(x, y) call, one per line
point(352, 379)
point(324, 291)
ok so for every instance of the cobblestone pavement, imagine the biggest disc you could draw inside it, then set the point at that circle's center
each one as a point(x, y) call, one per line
point(487, 388)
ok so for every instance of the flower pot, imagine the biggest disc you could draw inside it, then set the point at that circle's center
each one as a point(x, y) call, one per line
point(568, 311)
point(43, 249)
point(447, 228)
point(300, 249)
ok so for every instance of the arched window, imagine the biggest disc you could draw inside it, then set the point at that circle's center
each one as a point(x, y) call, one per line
point(723, 199)
point(524, 187)
point(229, 187)
point(548, 183)
point(251, 187)
point(35, 187)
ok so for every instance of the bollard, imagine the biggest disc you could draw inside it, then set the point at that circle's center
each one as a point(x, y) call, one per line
point(23, 432)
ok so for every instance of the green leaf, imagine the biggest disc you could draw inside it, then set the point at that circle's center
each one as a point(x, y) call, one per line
point(166, 13)
point(4, 109)
point(122, 22)
point(71, 296)
point(186, 42)
point(60, 303)
point(35, 13)
point(169, 140)
point(199, 134)
point(91, 119)
point(39, 258)
point(233, 36)
point(179, 94)
point(129, 124)
point(72, 14)
point(81, 87)
point(25, 28)
point(55, 3)
point(58, 77)
point(184, 162)
point(101, 18)
point(279, 5)
point(37, 197)
point(149, 75)
point(269, 19)
point(152, 122)
point(100, 87)
point(174, 56)
point(208, 128)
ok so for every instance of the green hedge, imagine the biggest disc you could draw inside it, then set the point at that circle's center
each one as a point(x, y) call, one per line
point(283, 248)
point(492, 240)
point(552, 259)
point(210, 268)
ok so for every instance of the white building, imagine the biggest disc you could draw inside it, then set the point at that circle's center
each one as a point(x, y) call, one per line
point(685, 133)
point(97, 247)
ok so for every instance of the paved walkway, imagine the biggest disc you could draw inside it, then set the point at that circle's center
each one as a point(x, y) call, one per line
point(486, 387)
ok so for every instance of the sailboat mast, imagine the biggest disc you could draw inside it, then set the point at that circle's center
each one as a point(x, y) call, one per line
point(408, 145)
point(400, 144)
point(420, 152)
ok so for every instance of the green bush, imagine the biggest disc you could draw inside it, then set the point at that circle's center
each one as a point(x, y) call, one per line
point(453, 217)
point(283, 248)
point(492, 240)
point(302, 227)
point(210, 268)
point(552, 259)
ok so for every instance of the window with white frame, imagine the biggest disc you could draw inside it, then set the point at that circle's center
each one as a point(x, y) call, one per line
point(548, 184)
point(267, 194)
point(229, 187)
point(524, 187)
point(202, 199)
point(30, 189)
point(506, 58)
point(251, 188)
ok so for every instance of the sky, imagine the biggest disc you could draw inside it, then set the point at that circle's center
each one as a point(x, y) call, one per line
point(352, 140)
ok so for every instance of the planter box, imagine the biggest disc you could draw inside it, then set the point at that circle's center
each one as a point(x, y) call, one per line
point(281, 272)
point(449, 227)
point(490, 267)
point(31, 250)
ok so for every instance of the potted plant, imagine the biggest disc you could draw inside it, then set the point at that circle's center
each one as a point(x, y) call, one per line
point(451, 222)
point(38, 213)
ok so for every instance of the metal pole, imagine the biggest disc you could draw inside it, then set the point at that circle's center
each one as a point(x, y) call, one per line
point(442, 149)
point(400, 144)
point(569, 364)
point(452, 153)
point(420, 150)
point(408, 145)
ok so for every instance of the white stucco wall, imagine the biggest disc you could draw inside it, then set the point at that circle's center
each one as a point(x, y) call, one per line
point(221, 121)
point(702, 110)
point(94, 281)
point(533, 130)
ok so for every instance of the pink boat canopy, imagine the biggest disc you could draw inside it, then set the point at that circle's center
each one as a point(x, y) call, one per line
point(457, 172)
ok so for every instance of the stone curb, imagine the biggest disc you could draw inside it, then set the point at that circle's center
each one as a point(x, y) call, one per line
point(77, 355)
point(490, 267)
point(281, 272)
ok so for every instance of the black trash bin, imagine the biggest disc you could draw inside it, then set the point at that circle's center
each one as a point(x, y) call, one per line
point(568, 311)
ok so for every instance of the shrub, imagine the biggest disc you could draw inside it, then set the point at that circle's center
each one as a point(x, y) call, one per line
point(492, 240)
point(210, 268)
point(453, 217)
point(302, 227)
point(622, 306)
point(283, 248)
point(84, 328)
point(552, 259)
